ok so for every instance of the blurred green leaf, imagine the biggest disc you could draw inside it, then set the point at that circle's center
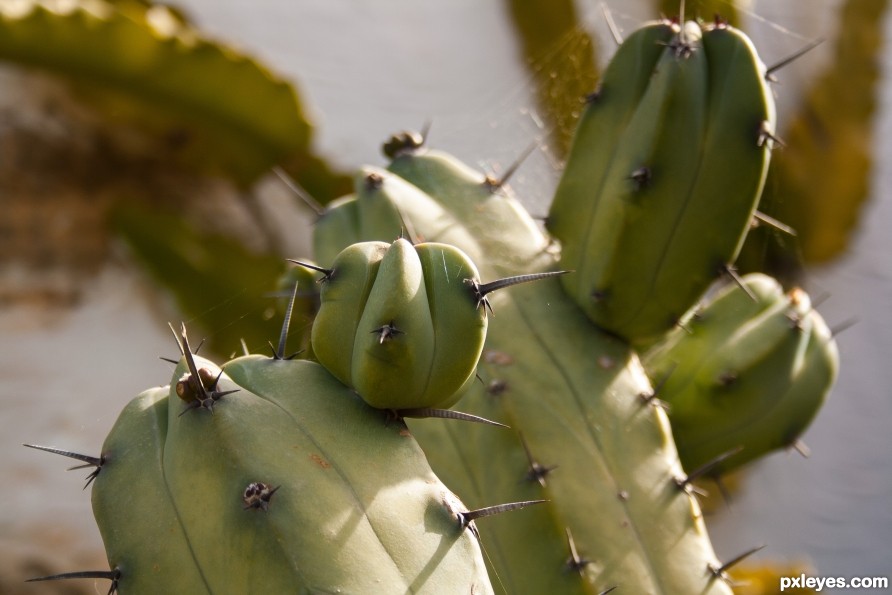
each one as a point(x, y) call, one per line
point(700, 9)
point(819, 180)
point(218, 284)
point(561, 58)
point(199, 102)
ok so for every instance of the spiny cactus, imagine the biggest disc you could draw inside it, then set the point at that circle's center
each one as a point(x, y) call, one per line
point(618, 498)
point(276, 477)
point(404, 324)
point(267, 475)
point(748, 370)
point(664, 175)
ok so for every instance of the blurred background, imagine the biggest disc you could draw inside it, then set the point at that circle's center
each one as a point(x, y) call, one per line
point(136, 147)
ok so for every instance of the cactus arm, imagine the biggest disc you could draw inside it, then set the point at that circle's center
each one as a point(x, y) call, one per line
point(751, 370)
point(288, 483)
point(650, 231)
point(132, 480)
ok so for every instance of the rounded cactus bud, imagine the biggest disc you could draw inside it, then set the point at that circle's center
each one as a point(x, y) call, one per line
point(401, 323)
point(748, 372)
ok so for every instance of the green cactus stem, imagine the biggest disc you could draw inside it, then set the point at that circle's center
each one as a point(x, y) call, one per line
point(664, 175)
point(285, 483)
point(748, 370)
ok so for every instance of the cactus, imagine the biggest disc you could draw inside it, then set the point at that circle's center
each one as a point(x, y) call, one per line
point(270, 476)
point(310, 489)
point(391, 318)
point(404, 325)
point(748, 371)
point(579, 408)
point(664, 175)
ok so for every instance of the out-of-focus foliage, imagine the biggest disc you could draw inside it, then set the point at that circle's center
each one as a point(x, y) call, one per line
point(764, 579)
point(819, 180)
point(162, 87)
point(222, 285)
point(546, 28)
point(701, 9)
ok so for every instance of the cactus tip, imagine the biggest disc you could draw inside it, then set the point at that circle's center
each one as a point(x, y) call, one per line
point(769, 72)
point(760, 218)
point(654, 396)
point(386, 332)
point(467, 517)
point(611, 24)
point(482, 290)
point(496, 387)
point(536, 471)
point(493, 183)
point(766, 135)
point(279, 352)
point(641, 178)
point(704, 469)
point(299, 190)
point(802, 448)
point(731, 271)
point(405, 142)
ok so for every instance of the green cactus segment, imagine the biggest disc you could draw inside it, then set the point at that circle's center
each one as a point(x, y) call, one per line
point(578, 409)
point(399, 323)
point(664, 175)
point(147, 63)
point(141, 527)
point(356, 492)
point(383, 205)
point(466, 193)
point(345, 293)
point(290, 485)
point(394, 346)
point(745, 372)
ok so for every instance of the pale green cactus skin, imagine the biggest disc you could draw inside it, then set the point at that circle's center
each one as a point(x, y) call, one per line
point(579, 407)
point(749, 370)
point(399, 323)
point(357, 509)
